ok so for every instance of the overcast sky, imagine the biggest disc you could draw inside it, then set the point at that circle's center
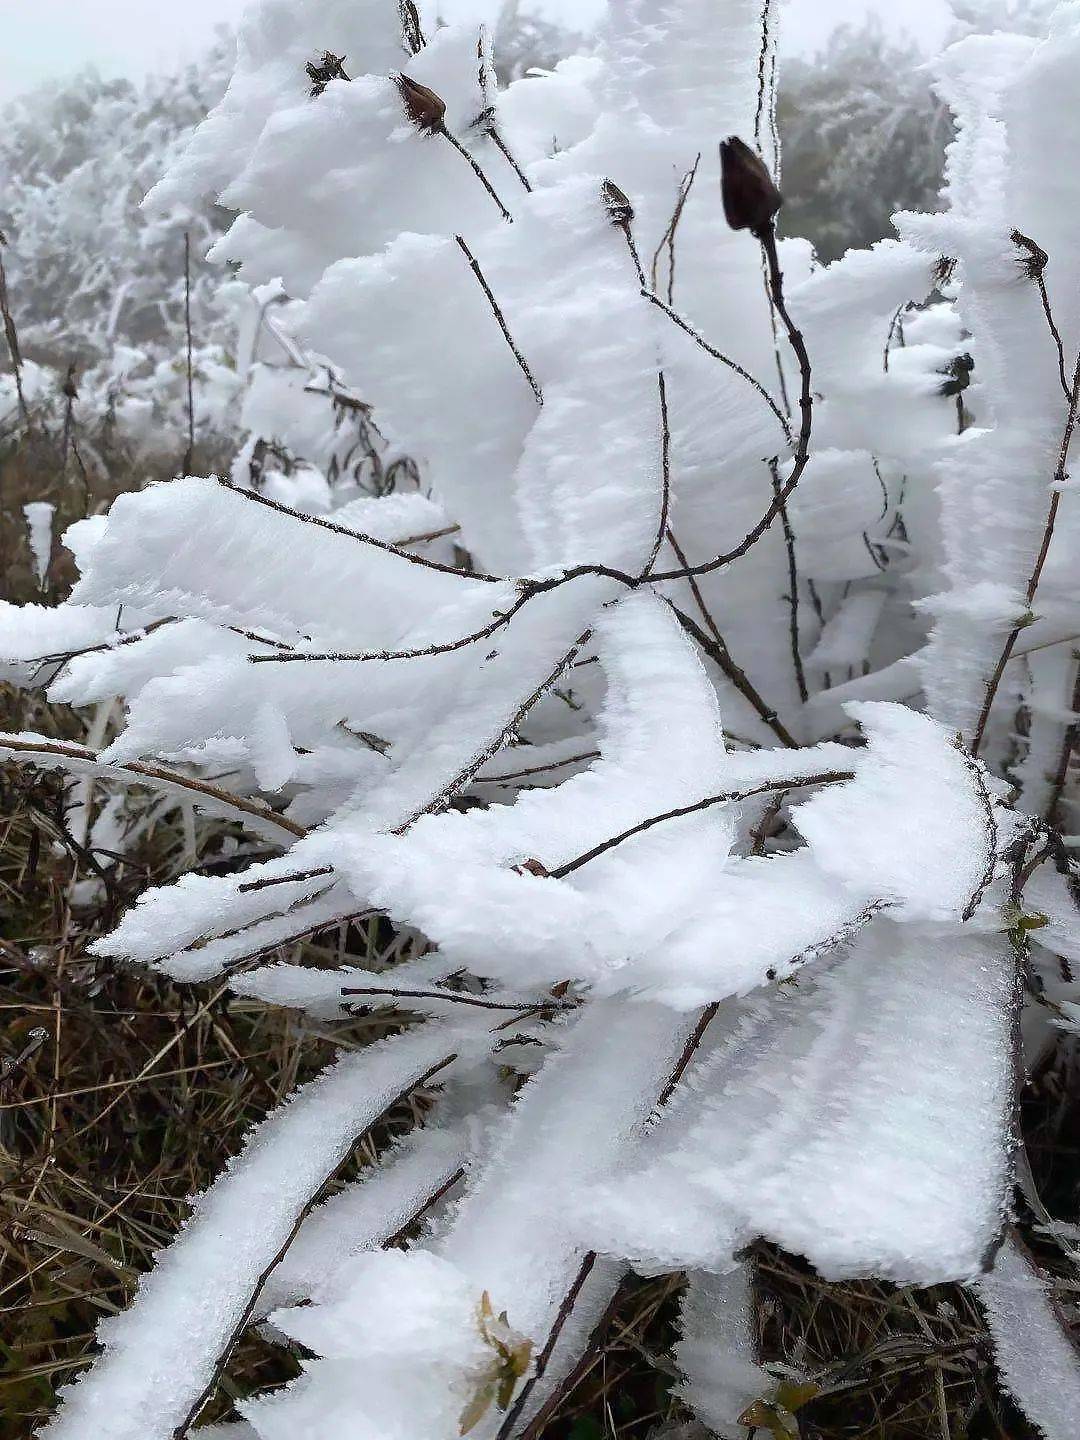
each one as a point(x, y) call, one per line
point(46, 38)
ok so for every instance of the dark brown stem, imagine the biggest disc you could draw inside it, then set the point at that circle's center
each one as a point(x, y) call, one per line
point(716, 648)
point(665, 474)
point(455, 997)
point(730, 797)
point(11, 335)
point(793, 589)
point(444, 648)
point(1068, 746)
point(739, 370)
point(767, 238)
point(257, 499)
point(293, 879)
point(668, 237)
point(477, 171)
point(518, 356)
point(506, 1429)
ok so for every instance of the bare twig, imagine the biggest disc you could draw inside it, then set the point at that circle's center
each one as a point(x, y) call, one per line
point(729, 797)
point(668, 237)
point(11, 335)
point(256, 498)
point(1034, 263)
point(793, 588)
point(136, 772)
point(739, 370)
point(445, 647)
point(476, 169)
point(717, 650)
point(497, 312)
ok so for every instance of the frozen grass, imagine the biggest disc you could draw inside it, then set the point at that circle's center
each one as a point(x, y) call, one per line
point(132, 1093)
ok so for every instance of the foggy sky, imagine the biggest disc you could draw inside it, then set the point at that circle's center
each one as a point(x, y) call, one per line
point(44, 39)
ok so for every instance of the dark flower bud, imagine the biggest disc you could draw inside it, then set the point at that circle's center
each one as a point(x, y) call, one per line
point(616, 204)
point(751, 200)
point(424, 108)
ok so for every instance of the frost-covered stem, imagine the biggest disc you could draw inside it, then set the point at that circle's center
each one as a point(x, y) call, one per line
point(189, 458)
point(535, 1428)
point(457, 997)
point(739, 370)
point(716, 648)
point(695, 588)
point(1040, 562)
point(665, 473)
point(136, 772)
point(729, 797)
point(291, 879)
point(793, 588)
point(767, 237)
point(763, 75)
point(504, 150)
point(668, 237)
point(443, 648)
point(469, 771)
point(1035, 264)
point(566, 1309)
point(477, 171)
point(497, 312)
point(257, 499)
point(260, 1284)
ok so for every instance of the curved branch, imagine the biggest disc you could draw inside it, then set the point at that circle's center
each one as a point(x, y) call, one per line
point(729, 797)
point(61, 754)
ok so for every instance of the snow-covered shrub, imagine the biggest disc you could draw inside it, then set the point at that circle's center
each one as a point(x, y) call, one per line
point(705, 706)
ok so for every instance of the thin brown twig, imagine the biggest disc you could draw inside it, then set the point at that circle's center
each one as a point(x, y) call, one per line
point(729, 797)
point(715, 646)
point(716, 354)
point(475, 167)
point(11, 335)
point(793, 587)
point(668, 237)
point(474, 265)
point(141, 773)
point(767, 237)
point(356, 535)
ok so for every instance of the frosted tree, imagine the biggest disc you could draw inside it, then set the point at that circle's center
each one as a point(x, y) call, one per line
point(700, 720)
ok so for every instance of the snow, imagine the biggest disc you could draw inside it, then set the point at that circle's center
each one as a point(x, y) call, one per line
point(1035, 1353)
point(161, 1351)
point(722, 987)
point(39, 522)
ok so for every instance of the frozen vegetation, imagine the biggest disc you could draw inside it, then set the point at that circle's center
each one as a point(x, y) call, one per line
point(678, 634)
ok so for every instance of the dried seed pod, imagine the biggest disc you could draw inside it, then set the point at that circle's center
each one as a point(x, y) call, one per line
point(329, 67)
point(751, 200)
point(617, 204)
point(424, 108)
point(1034, 259)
